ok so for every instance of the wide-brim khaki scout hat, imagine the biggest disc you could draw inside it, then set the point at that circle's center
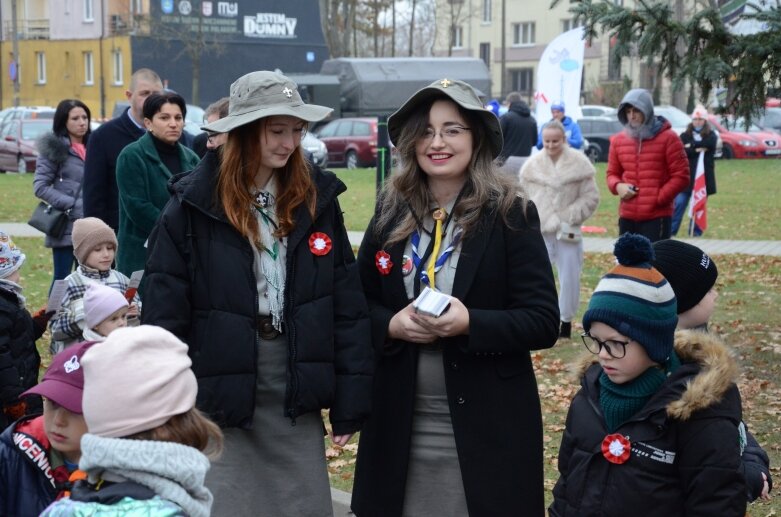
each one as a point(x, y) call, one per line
point(264, 94)
point(459, 92)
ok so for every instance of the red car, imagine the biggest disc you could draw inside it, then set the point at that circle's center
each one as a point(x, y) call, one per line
point(351, 142)
point(738, 143)
point(17, 144)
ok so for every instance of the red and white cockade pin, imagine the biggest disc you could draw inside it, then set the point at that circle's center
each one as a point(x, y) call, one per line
point(406, 265)
point(383, 262)
point(320, 244)
point(616, 448)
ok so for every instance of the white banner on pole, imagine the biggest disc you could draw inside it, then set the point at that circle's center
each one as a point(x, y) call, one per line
point(559, 75)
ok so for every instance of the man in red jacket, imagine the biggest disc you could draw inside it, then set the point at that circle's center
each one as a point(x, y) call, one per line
point(647, 167)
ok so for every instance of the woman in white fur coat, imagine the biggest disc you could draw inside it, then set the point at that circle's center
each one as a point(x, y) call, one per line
point(560, 182)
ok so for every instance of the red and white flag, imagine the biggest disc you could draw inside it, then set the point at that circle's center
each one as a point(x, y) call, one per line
point(697, 209)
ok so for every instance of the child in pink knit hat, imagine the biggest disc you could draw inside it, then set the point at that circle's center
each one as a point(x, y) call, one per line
point(105, 310)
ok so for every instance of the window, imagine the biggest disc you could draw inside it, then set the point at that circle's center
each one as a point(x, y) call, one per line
point(89, 69)
point(40, 62)
point(137, 6)
point(522, 80)
point(457, 36)
point(361, 129)
point(117, 72)
point(487, 10)
point(568, 25)
point(328, 130)
point(485, 53)
point(344, 129)
point(523, 33)
point(89, 15)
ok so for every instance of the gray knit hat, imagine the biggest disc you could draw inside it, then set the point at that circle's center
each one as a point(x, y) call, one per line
point(459, 92)
point(264, 94)
point(88, 233)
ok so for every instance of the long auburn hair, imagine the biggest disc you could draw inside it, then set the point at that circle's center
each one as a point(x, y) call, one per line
point(486, 187)
point(240, 156)
point(191, 428)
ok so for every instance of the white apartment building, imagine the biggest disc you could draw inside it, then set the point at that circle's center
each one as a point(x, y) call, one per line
point(473, 28)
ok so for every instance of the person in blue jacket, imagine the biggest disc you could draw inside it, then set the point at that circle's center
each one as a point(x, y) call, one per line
point(39, 454)
point(571, 128)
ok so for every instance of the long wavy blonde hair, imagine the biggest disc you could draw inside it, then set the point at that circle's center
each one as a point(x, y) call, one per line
point(486, 187)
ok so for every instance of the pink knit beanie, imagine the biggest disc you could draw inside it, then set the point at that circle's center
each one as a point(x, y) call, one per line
point(136, 380)
point(100, 302)
point(88, 233)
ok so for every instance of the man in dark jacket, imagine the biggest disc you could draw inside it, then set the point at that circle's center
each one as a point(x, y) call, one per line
point(520, 133)
point(100, 196)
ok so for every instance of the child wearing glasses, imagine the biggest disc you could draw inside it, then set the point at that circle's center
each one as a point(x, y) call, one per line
point(658, 411)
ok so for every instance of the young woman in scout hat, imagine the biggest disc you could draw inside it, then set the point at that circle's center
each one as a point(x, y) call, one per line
point(250, 265)
point(455, 427)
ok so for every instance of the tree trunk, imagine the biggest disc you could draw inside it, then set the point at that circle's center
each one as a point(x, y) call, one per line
point(412, 29)
point(393, 28)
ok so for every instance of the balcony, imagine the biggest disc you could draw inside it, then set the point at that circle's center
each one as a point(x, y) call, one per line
point(27, 29)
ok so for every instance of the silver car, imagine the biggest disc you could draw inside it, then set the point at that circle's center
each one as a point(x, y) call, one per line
point(316, 149)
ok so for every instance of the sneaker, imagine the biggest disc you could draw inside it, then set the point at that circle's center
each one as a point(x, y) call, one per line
point(566, 330)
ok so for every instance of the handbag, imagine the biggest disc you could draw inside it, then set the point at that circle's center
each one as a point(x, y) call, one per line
point(569, 233)
point(51, 221)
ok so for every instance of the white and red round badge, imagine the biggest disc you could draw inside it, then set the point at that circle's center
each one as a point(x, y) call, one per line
point(320, 244)
point(383, 262)
point(616, 448)
point(406, 265)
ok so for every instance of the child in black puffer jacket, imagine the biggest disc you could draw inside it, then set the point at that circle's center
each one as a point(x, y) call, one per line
point(19, 359)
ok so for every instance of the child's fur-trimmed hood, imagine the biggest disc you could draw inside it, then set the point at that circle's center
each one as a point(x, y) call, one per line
point(719, 371)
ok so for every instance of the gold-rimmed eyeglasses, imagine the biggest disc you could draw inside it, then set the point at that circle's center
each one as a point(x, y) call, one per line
point(445, 133)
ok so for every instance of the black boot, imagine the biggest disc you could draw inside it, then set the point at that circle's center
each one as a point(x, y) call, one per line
point(566, 330)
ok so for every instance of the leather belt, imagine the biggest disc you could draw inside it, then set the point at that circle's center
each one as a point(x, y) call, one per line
point(266, 328)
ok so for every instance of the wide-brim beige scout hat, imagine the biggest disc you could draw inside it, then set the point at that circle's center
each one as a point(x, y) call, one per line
point(264, 94)
point(459, 92)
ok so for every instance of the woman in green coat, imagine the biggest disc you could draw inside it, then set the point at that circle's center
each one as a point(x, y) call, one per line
point(143, 170)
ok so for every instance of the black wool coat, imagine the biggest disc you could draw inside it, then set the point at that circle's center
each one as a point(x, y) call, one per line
point(200, 285)
point(709, 143)
point(100, 193)
point(505, 280)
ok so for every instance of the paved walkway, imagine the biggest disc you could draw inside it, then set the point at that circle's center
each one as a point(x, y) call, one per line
point(710, 246)
point(590, 244)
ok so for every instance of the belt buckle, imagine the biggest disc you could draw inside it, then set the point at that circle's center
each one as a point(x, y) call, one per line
point(266, 328)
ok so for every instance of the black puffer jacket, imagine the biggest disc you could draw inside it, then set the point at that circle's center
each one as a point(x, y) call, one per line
point(200, 285)
point(685, 453)
point(19, 359)
point(519, 129)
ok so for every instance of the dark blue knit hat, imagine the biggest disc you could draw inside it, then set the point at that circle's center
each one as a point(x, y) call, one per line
point(635, 299)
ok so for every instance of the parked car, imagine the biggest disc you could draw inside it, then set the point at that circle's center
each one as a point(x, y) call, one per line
point(351, 142)
point(739, 143)
point(26, 113)
point(595, 110)
point(598, 131)
point(770, 120)
point(17, 144)
point(316, 149)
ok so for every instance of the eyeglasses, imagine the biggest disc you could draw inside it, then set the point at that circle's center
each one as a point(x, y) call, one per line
point(616, 349)
point(446, 133)
point(211, 136)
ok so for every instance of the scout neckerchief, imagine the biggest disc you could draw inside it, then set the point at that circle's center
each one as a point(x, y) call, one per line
point(441, 220)
point(273, 270)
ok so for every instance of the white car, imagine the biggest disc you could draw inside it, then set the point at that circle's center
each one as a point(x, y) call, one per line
point(680, 121)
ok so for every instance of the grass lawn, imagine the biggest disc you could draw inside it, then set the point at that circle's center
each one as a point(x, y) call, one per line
point(746, 207)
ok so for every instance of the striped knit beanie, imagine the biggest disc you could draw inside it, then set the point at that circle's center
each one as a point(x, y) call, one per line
point(635, 299)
